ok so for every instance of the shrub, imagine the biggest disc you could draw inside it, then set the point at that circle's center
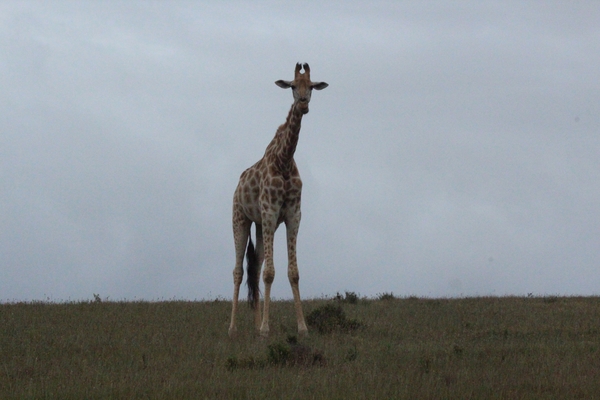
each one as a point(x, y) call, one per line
point(330, 318)
point(348, 297)
point(386, 296)
point(278, 353)
point(292, 353)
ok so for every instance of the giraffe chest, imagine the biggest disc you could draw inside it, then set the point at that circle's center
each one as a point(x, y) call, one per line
point(273, 197)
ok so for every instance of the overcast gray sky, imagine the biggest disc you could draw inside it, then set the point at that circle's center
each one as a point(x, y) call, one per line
point(456, 151)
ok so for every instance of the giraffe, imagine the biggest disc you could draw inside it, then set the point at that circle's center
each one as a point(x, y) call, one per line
point(268, 194)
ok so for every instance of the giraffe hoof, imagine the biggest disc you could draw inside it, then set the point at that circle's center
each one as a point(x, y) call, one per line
point(264, 333)
point(303, 332)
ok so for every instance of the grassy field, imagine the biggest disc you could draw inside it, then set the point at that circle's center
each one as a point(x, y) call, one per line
point(380, 348)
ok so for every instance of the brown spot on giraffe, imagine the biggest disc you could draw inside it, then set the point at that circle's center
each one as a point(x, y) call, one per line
point(269, 193)
point(277, 182)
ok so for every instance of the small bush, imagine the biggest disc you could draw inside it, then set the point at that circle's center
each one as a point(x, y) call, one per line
point(278, 353)
point(351, 298)
point(330, 318)
point(348, 297)
point(292, 353)
point(305, 356)
point(386, 296)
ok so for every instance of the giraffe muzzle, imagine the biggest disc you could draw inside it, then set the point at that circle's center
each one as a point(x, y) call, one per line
point(303, 106)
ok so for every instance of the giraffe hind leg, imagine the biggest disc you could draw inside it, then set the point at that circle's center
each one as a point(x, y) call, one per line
point(241, 232)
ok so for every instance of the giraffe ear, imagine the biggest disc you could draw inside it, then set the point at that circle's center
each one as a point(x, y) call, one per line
point(319, 85)
point(283, 84)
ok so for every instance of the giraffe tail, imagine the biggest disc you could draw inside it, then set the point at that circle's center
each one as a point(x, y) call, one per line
point(253, 272)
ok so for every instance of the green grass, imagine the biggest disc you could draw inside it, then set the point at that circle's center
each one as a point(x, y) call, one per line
point(387, 347)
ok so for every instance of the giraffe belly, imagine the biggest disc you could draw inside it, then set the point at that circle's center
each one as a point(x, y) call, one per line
point(278, 210)
point(274, 198)
point(253, 214)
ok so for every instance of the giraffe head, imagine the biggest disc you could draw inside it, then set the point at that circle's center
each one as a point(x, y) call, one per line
point(302, 86)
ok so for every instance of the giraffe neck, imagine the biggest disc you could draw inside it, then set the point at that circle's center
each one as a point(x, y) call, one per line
point(283, 146)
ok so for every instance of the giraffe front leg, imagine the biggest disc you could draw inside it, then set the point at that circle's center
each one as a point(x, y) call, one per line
point(302, 329)
point(294, 278)
point(268, 280)
point(268, 276)
point(293, 273)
